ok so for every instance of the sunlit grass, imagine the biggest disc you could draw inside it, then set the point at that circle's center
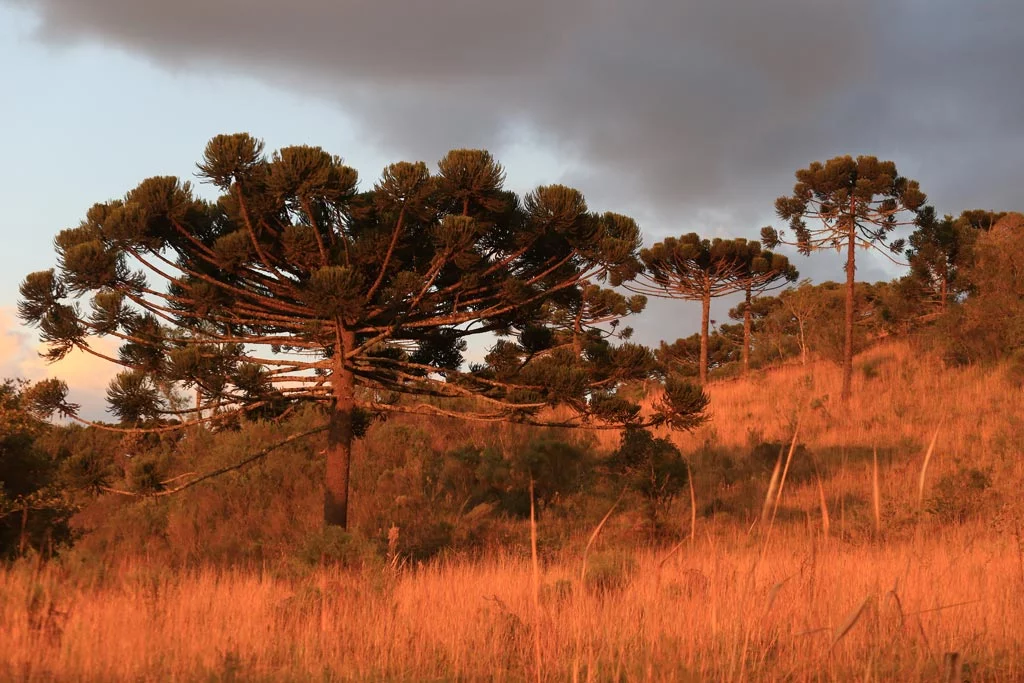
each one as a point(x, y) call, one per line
point(857, 579)
point(714, 610)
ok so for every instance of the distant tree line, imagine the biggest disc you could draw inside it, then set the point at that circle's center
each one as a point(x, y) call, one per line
point(962, 291)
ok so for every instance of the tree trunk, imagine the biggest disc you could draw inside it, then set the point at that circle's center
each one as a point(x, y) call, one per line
point(944, 288)
point(23, 540)
point(746, 334)
point(705, 320)
point(850, 275)
point(339, 438)
point(803, 342)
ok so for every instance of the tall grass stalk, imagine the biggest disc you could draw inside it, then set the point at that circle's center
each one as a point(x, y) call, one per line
point(593, 537)
point(535, 563)
point(772, 484)
point(876, 498)
point(782, 483)
point(924, 468)
point(825, 521)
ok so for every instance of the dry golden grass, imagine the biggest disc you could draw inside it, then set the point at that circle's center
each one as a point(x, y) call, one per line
point(713, 612)
point(900, 395)
point(827, 596)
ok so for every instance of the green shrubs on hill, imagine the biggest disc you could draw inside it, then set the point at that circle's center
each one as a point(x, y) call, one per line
point(961, 495)
point(653, 468)
point(35, 508)
point(424, 489)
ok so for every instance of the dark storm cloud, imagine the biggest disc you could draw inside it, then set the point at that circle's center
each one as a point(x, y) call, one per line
point(679, 107)
point(688, 114)
point(684, 104)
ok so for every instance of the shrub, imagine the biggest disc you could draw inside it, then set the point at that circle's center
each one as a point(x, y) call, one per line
point(335, 546)
point(959, 496)
point(652, 467)
point(471, 476)
point(609, 571)
point(34, 507)
point(557, 469)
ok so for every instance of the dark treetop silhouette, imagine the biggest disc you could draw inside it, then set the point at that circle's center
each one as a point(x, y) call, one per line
point(851, 203)
point(295, 287)
point(940, 251)
point(696, 269)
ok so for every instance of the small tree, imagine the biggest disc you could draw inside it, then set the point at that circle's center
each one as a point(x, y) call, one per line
point(652, 467)
point(695, 269)
point(802, 304)
point(765, 271)
point(35, 508)
point(991, 322)
point(296, 287)
point(762, 325)
point(850, 202)
point(935, 254)
point(683, 355)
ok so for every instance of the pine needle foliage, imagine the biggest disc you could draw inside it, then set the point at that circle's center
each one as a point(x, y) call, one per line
point(695, 269)
point(297, 286)
point(850, 203)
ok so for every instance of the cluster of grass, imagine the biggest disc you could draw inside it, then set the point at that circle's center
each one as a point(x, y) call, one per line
point(721, 608)
point(876, 555)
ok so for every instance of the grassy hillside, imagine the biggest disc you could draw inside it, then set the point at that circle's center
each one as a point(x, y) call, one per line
point(860, 574)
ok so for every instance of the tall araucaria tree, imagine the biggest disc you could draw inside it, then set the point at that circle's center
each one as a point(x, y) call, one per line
point(850, 203)
point(695, 269)
point(296, 287)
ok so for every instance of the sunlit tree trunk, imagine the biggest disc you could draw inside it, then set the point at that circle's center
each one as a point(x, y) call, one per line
point(339, 437)
point(944, 288)
point(705, 322)
point(851, 268)
point(746, 334)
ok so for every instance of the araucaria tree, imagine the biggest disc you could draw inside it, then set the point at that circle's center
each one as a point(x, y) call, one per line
point(935, 251)
point(296, 287)
point(940, 252)
point(695, 269)
point(764, 271)
point(850, 203)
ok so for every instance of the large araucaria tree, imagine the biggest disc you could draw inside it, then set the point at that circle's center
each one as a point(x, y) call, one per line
point(850, 203)
point(294, 286)
point(695, 269)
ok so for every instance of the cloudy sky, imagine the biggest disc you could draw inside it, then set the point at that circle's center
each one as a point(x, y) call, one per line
point(688, 115)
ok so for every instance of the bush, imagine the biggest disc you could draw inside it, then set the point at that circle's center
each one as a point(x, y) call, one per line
point(652, 467)
point(35, 510)
point(471, 476)
point(335, 546)
point(557, 469)
point(609, 571)
point(960, 496)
